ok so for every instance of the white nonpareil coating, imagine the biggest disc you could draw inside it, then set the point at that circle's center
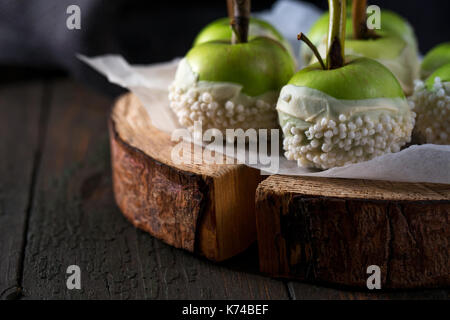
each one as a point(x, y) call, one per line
point(433, 111)
point(323, 132)
point(219, 105)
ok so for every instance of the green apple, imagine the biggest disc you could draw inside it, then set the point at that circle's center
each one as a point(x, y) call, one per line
point(391, 25)
point(436, 58)
point(336, 117)
point(220, 30)
point(431, 102)
point(227, 85)
point(347, 110)
point(260, 65)
point(395, 48)
point(358, 79)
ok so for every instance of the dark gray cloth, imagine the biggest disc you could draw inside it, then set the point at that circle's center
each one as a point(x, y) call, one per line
point(34, 32)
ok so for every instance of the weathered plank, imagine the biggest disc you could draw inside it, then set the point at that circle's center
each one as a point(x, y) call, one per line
point(21, 125)
point(74, 221)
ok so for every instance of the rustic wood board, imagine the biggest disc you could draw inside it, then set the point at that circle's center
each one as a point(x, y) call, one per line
point(67, 215)
point(204, 208)
point(74, 220)
point(331, 230)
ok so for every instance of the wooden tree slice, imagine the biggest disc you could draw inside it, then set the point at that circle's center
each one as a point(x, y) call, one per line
point(331, 230)
point(204, 208)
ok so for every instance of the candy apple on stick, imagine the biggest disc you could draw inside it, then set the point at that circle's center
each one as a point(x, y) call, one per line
point(394, 46)
point(391, 23)
point(231, 83)
point(343, 110)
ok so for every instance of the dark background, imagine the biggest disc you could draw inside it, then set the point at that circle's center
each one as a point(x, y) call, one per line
point(33, 32)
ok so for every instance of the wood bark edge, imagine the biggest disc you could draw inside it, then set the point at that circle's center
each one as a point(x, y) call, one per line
point(333, 240)
point(194, 210)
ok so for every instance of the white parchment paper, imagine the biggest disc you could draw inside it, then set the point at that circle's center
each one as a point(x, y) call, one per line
point(424, 163)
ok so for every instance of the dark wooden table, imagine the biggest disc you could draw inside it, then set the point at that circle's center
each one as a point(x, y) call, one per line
point(57, 209)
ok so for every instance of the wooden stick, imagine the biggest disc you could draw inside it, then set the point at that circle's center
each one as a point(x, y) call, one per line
point(359, 17)
point(336, 34)
point(230, 9)
point(240, 21)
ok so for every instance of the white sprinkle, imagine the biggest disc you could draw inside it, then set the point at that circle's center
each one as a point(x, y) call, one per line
point(315, 143)
point(229, 105)
point(326, 147)
point(206, 97)
point(359, 122)
point(195, 106)
point(351, 126)
point(335, 131)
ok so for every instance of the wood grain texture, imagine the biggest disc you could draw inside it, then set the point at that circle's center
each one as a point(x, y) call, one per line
point(331, 230)
point(194, 206)
point(74, 220)
point(20, 127)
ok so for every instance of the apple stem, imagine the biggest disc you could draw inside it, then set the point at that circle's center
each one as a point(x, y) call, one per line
point(336, 34)
point(240, 20)
point(359, 17)
point(301, 36)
